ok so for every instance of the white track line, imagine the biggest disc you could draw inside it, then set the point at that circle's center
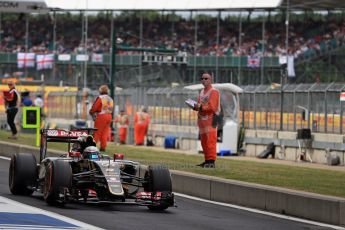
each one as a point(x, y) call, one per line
point(262, 212)
point(23, 208)
point(5, 158)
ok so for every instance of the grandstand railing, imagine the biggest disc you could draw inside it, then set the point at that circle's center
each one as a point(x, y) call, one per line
point(135, 60)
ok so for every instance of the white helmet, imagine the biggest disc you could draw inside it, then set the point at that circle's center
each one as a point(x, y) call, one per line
point(91, 153)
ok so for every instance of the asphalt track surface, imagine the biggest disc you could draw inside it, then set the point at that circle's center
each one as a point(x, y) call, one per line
point(189, 214)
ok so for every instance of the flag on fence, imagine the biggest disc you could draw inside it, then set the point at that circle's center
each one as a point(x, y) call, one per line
point(282, 59)
point(44, 61)
point(64, 57)
point(291, 66)
point(25, 60)
point(82, 57)
point(97, 58)
point(342, 96)
point(253, 61)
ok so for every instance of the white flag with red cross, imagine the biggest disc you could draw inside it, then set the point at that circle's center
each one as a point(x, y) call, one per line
point(44, 61)
point(25, 60)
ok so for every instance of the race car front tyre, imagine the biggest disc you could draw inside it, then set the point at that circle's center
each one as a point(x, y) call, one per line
point(158, 180)
point(22, 174)
point(58, 178)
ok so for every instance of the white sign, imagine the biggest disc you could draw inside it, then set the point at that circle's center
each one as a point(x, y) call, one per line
point(64, 57)
point(97, 58)
point(20, 6)
point(82, 57)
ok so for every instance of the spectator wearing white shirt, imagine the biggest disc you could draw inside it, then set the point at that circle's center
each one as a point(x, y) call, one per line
point(39, 102)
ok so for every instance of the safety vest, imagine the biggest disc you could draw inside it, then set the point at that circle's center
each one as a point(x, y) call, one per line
point(142, 117)
point(205, 98)
point(14, 100)
point(122, 120)
point(107, 104)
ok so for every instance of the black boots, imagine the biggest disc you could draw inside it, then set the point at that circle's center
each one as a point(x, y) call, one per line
point(202, 164)
point(207, 164)
point(210, 164)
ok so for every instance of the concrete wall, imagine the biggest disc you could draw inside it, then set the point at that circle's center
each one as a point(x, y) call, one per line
point(299, 204)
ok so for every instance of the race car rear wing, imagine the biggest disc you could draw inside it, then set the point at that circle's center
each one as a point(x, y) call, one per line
point(61, 135)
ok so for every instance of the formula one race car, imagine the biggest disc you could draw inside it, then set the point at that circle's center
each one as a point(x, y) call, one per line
point(83, 174)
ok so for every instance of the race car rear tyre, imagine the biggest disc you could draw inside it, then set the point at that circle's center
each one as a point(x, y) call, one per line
point(22, 174)
point(158, 180)
point(58, 178)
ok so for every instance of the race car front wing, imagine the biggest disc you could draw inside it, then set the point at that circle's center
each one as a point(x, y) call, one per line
point(155, 198)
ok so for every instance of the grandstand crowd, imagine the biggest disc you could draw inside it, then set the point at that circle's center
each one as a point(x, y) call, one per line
point(306, 37)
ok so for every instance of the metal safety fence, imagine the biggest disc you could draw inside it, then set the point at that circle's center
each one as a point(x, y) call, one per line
point(165, 105)
point(293, 106)
point(272, 107)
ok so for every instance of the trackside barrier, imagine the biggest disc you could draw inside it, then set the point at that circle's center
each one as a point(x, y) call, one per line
point(305, 205)
point(310, 206)
point(322, 145)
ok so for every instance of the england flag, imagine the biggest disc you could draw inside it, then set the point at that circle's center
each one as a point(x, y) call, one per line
point(25, 60)
point(45, 61)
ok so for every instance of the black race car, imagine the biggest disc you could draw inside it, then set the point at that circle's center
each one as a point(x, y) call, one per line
point(85, 175)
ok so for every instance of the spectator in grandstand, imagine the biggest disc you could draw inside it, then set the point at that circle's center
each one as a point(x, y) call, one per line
point(26, 100)
point(141, 124)
point(101, 111)
point(123, 121)
point(39, 103)
point(208, 106)
point(11, 103)
point(306, 35)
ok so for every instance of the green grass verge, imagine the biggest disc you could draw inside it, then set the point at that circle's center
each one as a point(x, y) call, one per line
point(321, 181)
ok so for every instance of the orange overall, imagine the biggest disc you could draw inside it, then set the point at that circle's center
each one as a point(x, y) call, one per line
point(103, 106)
point(209, 100)
point(141, 123)
point(123, 123)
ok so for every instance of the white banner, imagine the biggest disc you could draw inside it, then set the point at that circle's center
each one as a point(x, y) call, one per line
point(97, 58)
point(64, 57)
point(291, 66)
point(20, 6)
point(82, 57)
point(282, 59)
point(342, 96)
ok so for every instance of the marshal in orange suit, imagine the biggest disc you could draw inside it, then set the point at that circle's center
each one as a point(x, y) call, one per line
point(123, 121)
point(141, 124)
point(207, 106)
point(101, 111)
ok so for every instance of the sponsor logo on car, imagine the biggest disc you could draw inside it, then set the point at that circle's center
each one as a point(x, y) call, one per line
point(63, 133)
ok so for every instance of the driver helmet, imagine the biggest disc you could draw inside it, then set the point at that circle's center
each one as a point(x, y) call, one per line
point(91, 153)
